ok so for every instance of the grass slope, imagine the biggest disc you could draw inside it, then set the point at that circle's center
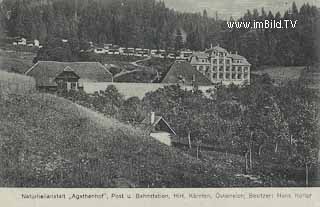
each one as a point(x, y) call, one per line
point(13, 83)
point(47, 141)
point(15, 60)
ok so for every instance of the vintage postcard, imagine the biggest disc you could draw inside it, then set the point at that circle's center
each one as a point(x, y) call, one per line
point(159, 102)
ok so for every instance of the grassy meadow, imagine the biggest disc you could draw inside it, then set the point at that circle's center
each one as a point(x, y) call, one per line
point(13, 83)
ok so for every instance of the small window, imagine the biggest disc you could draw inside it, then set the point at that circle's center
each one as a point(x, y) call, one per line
point(227, 75)
point(220, 75)
point(239, 76)
point(233, 76)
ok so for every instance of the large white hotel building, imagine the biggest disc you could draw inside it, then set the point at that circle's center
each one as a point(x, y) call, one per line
point(220, 66)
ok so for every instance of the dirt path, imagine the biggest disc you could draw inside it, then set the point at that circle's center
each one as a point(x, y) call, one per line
point(136, 63)
point(126, 73)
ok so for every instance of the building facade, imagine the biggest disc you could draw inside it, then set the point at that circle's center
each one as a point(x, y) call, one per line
point(67, 80)
point(220, 66)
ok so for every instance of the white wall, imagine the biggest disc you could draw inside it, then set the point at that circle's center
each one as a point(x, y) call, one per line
point(163, 137)
point(132, 89)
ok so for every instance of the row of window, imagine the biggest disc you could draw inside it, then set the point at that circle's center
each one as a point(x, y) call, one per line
point(220, 54)
point(234, 68)
point(229, 76)
point(221, 61)
point(67, 85)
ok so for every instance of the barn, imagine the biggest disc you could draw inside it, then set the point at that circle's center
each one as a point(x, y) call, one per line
point(52, 76)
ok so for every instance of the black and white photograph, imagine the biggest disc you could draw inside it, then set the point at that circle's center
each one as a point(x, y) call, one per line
point(159, 94)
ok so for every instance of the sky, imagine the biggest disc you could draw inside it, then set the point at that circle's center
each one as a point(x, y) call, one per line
point(234, 8)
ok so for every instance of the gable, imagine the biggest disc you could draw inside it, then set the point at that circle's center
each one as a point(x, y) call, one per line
point(160, 123)
point(67, 74)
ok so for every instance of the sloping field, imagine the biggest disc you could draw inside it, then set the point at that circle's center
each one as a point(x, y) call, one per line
point(312, 77)
point(13, 83)
point(47, 141)
point(14, 61)
point(281, 73)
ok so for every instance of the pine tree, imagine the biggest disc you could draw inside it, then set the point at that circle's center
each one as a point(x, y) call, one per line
point(178, 40)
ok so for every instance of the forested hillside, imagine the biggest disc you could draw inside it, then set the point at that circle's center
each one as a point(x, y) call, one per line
point(150, 24)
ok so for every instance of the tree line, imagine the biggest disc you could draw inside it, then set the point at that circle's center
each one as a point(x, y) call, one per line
point(273, 46)
point(150, 24)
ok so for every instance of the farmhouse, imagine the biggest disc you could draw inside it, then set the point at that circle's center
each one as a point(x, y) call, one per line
point(183, 73)
point(54, 76)
point(158, 128)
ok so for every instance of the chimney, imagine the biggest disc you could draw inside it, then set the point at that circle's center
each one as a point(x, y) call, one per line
point(211, 46)
point(236, 52)
point(152, 117)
